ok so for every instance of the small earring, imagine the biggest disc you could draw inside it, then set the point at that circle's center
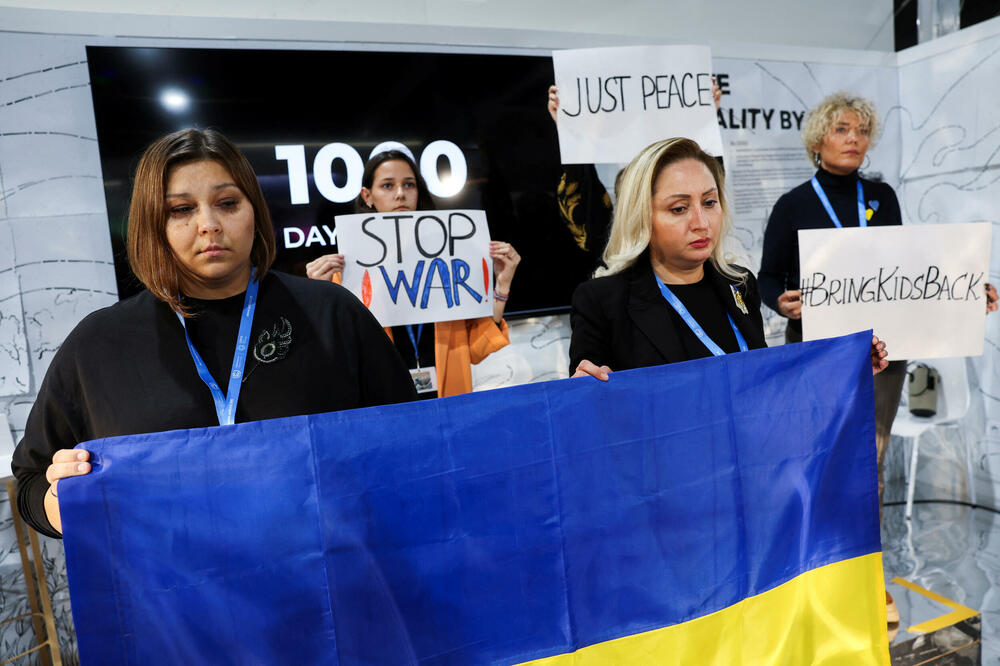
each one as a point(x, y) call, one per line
point(816, 159)
point(867, 163)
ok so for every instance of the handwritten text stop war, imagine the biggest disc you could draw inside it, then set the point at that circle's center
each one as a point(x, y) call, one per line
point(432, 237)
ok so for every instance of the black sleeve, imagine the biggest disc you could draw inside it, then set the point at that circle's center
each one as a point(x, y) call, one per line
point(585, 208)
point(779, 257)
point(54, 423)
point(591, 336)
point(890, 208)
point(382, 373)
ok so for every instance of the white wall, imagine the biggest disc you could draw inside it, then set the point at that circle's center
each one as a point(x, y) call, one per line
point(848, 24)
point(950, 172)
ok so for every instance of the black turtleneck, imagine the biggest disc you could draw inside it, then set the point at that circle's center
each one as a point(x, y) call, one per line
point(801, 209)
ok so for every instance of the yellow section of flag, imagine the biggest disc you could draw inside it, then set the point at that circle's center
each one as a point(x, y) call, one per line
point(833, 615)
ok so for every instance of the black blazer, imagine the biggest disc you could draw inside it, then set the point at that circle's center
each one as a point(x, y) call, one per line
point(623, 321)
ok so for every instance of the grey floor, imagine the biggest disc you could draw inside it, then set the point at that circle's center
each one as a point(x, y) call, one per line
point(952, 550)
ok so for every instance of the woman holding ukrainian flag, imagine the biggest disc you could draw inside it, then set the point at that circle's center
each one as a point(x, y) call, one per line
point(216, 338)
point(666, 292)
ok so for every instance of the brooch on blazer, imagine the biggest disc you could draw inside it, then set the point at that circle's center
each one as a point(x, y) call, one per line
point(739, 299)
point(272, 344)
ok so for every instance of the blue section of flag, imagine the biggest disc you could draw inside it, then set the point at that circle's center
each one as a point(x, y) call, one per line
point(494, 527)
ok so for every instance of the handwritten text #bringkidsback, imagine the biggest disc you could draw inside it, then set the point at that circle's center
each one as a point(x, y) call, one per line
point(920, 287)
point(886, 285)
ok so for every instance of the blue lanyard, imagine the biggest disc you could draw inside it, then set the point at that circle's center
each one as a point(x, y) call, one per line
point(693, 325)
point(225, 405)
point(862, 218)
point(415, 340)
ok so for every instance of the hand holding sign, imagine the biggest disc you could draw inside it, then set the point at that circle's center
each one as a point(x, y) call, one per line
point(616, 101)
point(505, 261)
point(553, 105)
point(790, 304)
point(879, 356)
point(413, 267)
point(324, 268)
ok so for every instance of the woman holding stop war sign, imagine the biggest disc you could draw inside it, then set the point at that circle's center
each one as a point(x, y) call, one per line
point(441, 365)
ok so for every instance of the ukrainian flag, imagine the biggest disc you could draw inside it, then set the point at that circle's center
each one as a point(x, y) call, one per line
point(721, 511)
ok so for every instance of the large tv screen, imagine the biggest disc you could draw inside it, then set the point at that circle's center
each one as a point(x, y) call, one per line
point(307, 120)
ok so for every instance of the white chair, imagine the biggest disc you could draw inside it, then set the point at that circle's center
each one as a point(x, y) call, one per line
point(952, 404)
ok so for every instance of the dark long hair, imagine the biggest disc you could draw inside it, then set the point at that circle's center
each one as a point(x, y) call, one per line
point(424, 199)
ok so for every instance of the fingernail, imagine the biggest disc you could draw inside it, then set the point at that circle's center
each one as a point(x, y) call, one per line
point(81, 455)
point(82, 467)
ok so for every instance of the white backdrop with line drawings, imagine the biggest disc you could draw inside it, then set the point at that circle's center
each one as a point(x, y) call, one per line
point(55, 263)
point(949, 120)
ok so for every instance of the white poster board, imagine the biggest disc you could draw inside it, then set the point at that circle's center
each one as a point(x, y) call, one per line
point(613, 102)
point(920, 287)
point(414, 267)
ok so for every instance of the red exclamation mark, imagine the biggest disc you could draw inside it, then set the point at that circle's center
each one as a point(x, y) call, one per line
point(486, 279)
point(366, 289)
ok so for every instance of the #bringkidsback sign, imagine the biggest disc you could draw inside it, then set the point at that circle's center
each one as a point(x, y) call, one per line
point(613, 102)
point(414, 267)
point(920, 287)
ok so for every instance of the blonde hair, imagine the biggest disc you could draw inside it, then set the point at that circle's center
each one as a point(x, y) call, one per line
point(632, 228)
point(822, 116)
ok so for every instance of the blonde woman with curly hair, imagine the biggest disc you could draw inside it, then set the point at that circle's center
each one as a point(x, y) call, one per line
point(837, 135)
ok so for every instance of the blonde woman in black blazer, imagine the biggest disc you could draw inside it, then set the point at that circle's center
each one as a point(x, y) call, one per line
point(620, 320)
point(666, 292)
